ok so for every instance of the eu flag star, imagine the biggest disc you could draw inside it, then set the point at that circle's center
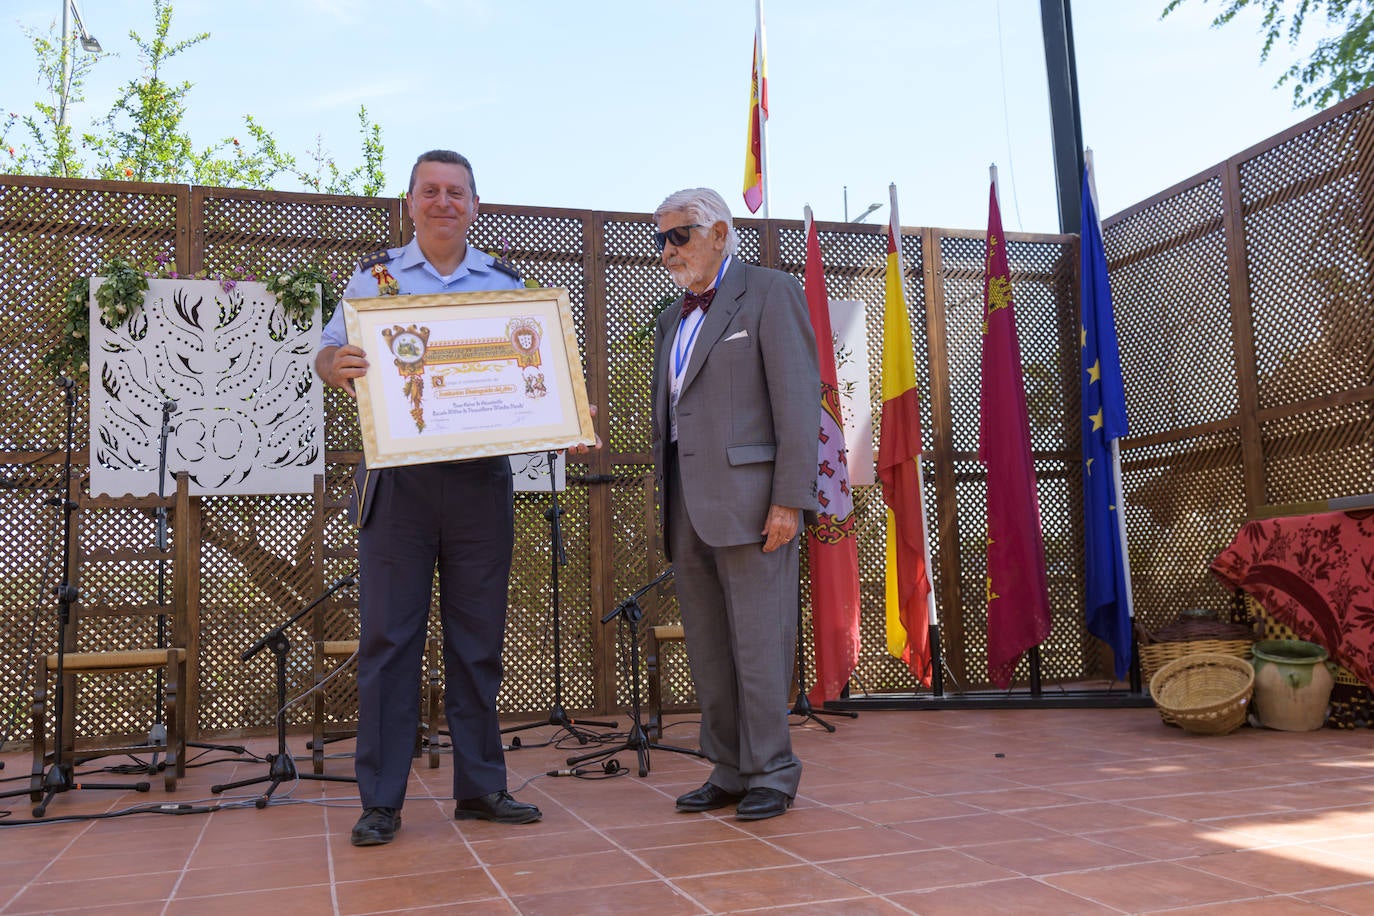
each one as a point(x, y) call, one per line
point(1098, 420)
point(1095, 372)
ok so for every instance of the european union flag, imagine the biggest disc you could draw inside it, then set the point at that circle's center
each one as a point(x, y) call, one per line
point(1104, 420)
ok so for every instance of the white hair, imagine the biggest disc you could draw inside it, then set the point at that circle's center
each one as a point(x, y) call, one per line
point(706, 208)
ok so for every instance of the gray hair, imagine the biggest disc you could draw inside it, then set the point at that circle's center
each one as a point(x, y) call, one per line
point(447, 156)
point(706, 208)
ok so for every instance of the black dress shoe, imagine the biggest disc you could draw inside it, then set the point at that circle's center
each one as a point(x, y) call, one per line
point(376, 827)
point(708, 798)
point(762, 803)
point(499, 807)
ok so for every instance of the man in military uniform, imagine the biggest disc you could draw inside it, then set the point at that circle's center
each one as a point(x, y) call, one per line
point(456, 515)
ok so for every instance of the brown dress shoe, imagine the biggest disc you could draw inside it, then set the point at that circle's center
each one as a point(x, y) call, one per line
point(499, 807)
point(708, 798)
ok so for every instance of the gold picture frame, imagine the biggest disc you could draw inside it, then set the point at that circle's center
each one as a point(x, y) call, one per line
point(468, 375)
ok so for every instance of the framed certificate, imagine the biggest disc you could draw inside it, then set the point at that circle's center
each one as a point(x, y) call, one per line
point(468, 375)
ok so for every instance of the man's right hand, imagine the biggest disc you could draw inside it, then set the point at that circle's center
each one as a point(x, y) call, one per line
point(339, 366)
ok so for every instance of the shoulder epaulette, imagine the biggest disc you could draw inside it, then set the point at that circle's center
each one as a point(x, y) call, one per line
point(506, 267)
point(372, 260)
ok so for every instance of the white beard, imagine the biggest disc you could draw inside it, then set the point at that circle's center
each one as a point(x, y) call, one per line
point(681, 276)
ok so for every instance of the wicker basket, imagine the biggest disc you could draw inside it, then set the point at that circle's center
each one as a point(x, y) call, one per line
point(1187, 637)
point(1205, 693)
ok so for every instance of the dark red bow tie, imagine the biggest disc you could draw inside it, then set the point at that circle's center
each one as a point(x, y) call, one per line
point(691, 300)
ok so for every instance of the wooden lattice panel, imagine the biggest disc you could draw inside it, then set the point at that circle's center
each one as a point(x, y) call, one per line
point(961, 260)
point(1184, 502)
point(267, 233)
point(51, 232)
point(31, 541)
point(637, 289)
point(1310, 259)
point(529, 651)
point(545, 249)
point(256, 571)
point(1317, 454)
point(1169, 290)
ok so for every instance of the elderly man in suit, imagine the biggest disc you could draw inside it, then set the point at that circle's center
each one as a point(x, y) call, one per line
point(736, 419)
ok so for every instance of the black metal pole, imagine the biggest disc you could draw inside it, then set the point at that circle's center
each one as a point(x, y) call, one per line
point(1066, 128)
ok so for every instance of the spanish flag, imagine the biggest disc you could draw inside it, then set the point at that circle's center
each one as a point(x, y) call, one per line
point(758, 114)
point(899, 469)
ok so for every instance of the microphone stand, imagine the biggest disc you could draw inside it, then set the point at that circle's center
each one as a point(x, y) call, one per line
point(802, 705)
point(158, 734)
point(637, 740)
point(281, 766)
point(557, 715)
point(60, 776)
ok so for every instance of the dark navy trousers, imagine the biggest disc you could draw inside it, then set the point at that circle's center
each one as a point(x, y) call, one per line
point(459, 518)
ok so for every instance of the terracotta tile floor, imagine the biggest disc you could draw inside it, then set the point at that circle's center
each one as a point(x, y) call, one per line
point(956, 811)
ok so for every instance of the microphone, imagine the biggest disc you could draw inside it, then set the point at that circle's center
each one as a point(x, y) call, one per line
point(65, 383)
point(567, 772)
point(343, 582)
point(169, 407)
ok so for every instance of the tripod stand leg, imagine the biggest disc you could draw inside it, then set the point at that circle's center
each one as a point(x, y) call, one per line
point(802, 707)
point(281, 766)
point(637, 741)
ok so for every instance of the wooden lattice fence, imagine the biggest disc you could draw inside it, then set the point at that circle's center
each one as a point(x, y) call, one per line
point(1244, 312)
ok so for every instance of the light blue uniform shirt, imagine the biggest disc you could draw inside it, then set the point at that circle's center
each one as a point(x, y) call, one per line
point(416, 276)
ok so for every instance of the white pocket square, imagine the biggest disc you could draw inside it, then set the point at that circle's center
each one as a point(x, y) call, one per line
point(738, 335)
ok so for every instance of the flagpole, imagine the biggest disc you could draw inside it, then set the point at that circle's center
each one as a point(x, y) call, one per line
point(1118, 487)
point(765, 179)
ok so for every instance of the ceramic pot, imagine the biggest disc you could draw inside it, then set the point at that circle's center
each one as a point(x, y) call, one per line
point(1292, 684)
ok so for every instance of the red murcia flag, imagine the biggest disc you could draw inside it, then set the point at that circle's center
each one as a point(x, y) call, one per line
point(1017, 594)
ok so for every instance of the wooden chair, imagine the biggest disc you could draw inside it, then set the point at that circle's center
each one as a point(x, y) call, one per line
point(333, 626)
point(115, 565)
point(654, 671)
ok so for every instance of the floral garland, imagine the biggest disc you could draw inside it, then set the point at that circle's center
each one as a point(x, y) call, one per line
point(124, 286)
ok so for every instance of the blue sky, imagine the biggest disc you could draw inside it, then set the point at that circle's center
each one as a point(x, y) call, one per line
point(610, 105)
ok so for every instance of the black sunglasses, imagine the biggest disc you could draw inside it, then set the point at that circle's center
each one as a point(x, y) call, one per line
point(678, 235)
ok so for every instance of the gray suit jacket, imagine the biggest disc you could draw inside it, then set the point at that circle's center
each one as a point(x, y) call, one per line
point(748, 414)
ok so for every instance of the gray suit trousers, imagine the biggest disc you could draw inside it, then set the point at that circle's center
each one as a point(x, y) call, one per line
point(739, 614)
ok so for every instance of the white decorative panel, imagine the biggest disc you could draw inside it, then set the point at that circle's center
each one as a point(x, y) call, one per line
point(249, 410)
point(531, 471)
point(851, 375)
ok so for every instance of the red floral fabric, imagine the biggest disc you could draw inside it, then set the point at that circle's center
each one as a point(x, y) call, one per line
point(1314, 573)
